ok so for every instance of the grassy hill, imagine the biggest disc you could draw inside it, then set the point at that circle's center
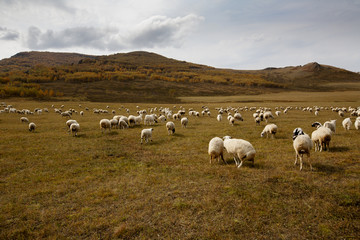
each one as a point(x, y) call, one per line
point(143, 76)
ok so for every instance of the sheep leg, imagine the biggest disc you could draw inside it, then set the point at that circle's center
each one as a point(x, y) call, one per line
point(222, 157)
point(211, 156)
point(296, 158)
point(301, 161)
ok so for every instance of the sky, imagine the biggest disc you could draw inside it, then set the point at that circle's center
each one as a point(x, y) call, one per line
point(237, 34)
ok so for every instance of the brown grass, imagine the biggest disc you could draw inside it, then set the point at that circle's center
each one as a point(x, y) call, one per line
point(109, 186)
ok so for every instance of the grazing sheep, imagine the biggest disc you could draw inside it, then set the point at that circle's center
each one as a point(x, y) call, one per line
point(341, 113)
point(302, 145)
point(69, 122)
point(277, 113)
point(257, 121)
point(216, 148)
point(82, 113)
point(131, 119)
point(316, 124)
point(146, 134)
point(238, 117)
point(75, 128)
point(219, 117)
point(66, 114)
point(104, 124)
point(162, 118)
point(331, 124)
point(357, 124)
point(297, 132)
point(268, 115)
point(123, 124)
point(184, 122)
point(24, 119)
point(114, 123)
point(241, 150)
point(321, 138)
point(150, 119)
point(32, 127)
point(347, 123)
point(231, 120)
point(170, 126)
point(269, 129)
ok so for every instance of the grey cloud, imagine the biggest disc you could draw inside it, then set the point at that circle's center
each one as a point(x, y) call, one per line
point(8, 34)
point(163, 31)
point(153, 32)
point(71, 37)
point(57, 4)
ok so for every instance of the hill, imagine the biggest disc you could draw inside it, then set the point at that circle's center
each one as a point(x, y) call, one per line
point(144, 76)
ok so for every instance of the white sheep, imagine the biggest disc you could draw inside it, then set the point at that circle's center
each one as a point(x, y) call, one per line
point(216, 148)
point(122, 124)
point(331, 124)
point(184, 122)
point(257, 120)
point(104, 124)
point(302, 145)
point(357, 123)
point(32, 127)
point(170, 126)
point(347, 123)
point(269, 129)
point(268, 115)
point(150, 119)
point(146, 134)
point(321, 138)
point(238, 117)
point(231, 120)
point(114, 123)
point(277, 113)
point(75, 128)
point(69, 122)
point(241, 150)
point(162, 118)
point(24, 119)
point(219, 117)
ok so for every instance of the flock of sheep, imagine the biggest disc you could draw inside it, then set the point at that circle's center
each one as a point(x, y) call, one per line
point(239, 148)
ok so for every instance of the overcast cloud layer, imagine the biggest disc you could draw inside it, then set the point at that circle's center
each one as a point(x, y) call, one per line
point(235, 34)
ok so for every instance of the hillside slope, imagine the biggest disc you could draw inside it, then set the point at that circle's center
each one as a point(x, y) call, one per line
point(144, 76)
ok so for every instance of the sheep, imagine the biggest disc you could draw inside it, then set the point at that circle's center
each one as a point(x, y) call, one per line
point(219, 117)
point(66, 114)
point(216, 148)
point(162, 118)
point(268, 115)
point(69, 122)
point(331, 124)
point(122, 124)
point(238, 116)
point(257, 121)
point(74, 128)
point(170, 126)
point(231, 120)
point(146, 134)
point(150, 119)
point(24, 119)
point(241, 149)
point(114, 123)
point(357, 124)
point(131, 119)
point(184, 122)
point(316, 124)
point(269, 129)
point(82, 113)
point(321, 138)
point(32, 127)
point(104, 124)
point(347, 123)
point(297, 132)
point(302, 144)
point(277, 113)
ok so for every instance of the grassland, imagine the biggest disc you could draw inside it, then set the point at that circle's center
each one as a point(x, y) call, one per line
point(108, 186)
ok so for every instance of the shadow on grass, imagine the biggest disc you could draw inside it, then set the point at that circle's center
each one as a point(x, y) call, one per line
point(327, 168)
point(246, 163)
point(339, 149)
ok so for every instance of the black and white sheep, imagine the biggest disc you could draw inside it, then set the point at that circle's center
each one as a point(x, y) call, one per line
point(170, 126)
point(32, 127)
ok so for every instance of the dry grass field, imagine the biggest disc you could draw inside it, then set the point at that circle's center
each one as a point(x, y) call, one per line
point(109, 186)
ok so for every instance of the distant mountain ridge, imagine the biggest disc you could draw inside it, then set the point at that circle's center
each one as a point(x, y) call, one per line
point(144, 76)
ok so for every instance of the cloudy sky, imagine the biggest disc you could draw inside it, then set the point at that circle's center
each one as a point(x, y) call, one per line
point(239, 34)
